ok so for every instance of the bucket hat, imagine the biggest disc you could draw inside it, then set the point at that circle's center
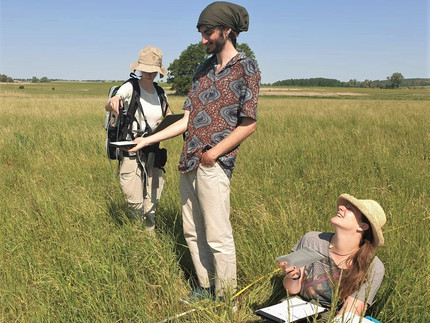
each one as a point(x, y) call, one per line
point(150, 60)
point(372, 211)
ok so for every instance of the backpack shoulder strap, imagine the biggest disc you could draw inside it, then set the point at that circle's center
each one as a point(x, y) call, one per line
point(163, 99)
point(135, 82)
point(134, 106)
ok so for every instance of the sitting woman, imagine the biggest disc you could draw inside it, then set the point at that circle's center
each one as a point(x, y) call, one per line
point(349, 270)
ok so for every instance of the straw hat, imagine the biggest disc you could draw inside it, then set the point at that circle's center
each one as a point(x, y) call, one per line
point(372, 211)
point(150, 60)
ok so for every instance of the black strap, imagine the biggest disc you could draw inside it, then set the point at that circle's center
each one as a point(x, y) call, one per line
point(135, 99)
point(163, 100)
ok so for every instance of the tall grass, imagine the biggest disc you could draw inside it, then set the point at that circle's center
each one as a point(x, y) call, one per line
point(68, 252)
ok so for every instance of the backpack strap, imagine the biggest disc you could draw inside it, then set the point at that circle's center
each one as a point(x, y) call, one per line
point(160, 92)
point(134, 106)
point(163, 99)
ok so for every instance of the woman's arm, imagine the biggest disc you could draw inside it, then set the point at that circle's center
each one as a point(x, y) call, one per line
point(124, 93)
point(352, 305)
point(114, 103)
point(293, 279)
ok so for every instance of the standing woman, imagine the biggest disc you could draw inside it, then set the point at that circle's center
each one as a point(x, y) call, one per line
point(140, 177)
point(350, 263)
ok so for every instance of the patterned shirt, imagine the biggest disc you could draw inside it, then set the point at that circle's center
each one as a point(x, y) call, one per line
point(217, 103)
point(322, 275)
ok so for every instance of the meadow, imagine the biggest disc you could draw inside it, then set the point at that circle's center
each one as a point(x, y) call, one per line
point(68, 252)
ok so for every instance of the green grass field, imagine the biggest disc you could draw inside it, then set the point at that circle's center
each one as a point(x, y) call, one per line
point(69, 254)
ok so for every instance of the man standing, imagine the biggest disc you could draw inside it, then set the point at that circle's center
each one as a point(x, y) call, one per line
point(220, 112)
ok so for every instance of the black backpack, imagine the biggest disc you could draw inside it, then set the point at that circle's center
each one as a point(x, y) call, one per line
point(118, 127)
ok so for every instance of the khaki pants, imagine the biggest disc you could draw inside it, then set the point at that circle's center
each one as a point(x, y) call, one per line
point(142, 191)
point(205, 197)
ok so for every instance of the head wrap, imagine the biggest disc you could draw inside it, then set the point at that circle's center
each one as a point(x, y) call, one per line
point(227, 14)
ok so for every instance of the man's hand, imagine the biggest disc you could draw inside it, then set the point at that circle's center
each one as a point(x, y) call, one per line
point(140, 144)
point(208, 159)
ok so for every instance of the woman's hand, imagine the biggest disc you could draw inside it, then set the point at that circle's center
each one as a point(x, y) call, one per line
point(293, 278)
point(352, 305)
point(291, 272)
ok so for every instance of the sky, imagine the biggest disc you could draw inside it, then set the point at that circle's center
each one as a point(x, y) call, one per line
point(98, 39)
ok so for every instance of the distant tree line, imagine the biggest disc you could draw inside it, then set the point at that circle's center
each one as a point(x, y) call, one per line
point(181, 72)
point(319, 81)
point(5, 78)
point(34, 79)
point(392, 82)
point(416, 82)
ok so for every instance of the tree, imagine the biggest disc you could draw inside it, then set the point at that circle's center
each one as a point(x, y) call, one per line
point(352, 83)
point(5, 78)
point(368, 84)
point(395, 80)
point(34, 80)
point(44, 80)
point(182, 69)
point(245, 48)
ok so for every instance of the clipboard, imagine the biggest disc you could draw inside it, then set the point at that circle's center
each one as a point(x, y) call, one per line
point(301, 257)
point(167, 121)
point(293, 309)
point(123, 144)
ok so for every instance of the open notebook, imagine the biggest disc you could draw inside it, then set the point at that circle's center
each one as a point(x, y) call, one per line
point(290, 310)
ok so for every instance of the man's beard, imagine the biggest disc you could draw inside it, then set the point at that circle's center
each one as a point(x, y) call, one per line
point(219, 44)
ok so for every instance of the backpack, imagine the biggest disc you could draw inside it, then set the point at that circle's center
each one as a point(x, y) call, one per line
point(119, 126)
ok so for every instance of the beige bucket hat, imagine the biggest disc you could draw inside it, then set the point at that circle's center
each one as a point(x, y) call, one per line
point(372, 211)
point(150, 60)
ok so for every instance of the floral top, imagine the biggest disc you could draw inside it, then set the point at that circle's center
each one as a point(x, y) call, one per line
point(217, 103)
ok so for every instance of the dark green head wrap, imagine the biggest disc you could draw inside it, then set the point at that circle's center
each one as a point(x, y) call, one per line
point(227, 14)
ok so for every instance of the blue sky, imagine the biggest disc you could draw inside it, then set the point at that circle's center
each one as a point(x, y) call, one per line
point(94, 39)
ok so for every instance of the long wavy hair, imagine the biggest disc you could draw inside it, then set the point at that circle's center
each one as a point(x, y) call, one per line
point(358, 264)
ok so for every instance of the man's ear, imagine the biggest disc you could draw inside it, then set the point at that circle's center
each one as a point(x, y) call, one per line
point(227, 32)
point(363, 227)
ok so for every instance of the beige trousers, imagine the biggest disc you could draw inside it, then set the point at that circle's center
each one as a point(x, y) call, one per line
point(205, 197)
point(142, 191)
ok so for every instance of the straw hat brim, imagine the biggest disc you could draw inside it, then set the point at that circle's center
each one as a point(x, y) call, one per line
point(148, 68)
point(371, 210)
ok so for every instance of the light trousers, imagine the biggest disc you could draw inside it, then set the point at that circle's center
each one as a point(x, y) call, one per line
point(142, 191)
point(205, 198)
